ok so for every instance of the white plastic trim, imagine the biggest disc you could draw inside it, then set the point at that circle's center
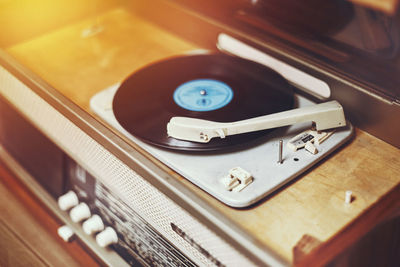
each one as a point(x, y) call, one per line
point(295, 76)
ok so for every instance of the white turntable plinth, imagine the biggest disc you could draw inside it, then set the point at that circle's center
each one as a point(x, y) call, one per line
point(207, 169)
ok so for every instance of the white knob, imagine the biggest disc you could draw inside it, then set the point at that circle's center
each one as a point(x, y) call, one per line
point(93, 225)
point(107, 237)
point(68, 200)
point(80, 212)
point(65, 233)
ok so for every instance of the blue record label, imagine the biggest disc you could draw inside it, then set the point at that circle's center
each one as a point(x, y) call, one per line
point(203, 95)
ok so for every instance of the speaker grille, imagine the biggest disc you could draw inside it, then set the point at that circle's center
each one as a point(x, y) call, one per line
point(159, 210)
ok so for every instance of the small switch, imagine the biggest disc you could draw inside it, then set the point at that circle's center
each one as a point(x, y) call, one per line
point(311, 148)
point(68, 200)
point(107, 237)
point(93, 225)
point(80, 212)
point(65, 233)
point(237, 179)
point(300, 140)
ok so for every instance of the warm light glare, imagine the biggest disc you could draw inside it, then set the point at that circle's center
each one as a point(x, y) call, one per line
point(23, 19)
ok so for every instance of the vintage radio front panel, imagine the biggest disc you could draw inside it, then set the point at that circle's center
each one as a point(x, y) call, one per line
point(87, 124)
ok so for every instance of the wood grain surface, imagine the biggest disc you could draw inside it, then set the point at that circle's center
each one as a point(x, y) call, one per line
point(81, 66)
point(312, 205)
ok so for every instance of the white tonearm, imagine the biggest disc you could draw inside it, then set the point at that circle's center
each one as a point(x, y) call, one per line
point(325, 116)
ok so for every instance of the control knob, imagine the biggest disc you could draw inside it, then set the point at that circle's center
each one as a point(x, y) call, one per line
point(80, 212)
point(68, 200)
point(107, 237)
point(93, 225)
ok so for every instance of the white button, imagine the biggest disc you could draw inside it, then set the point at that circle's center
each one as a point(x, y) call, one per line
point(93, 225)
point(65, 233)
point(68, 200)
point(311, 148)
point(80, 212)
point(107, 237)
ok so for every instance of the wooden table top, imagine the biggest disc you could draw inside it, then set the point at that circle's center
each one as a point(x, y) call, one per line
point(312, 205)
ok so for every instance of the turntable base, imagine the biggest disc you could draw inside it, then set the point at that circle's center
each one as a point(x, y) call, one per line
point(260, 159)
point(312, 205)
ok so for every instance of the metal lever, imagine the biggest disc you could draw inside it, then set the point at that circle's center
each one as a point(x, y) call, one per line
point(325, 116)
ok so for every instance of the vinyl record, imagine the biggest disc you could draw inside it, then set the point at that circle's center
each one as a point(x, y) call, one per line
point(213, 87)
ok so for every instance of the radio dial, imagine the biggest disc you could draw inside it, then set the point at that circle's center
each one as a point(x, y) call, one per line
point(68, 200)
point(107, 237)
point(80, 212)
point(93, 225)
point(65, 232)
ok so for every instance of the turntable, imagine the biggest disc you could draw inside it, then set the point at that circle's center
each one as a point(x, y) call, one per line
point(199, 86)
point(184, 179)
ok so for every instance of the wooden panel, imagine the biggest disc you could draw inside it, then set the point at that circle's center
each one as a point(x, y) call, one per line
point(367, 232)
point(81, 66)
point(388, 6)
point(21, 20)
point(32, 231)
point(13, 251)
point(311, 205)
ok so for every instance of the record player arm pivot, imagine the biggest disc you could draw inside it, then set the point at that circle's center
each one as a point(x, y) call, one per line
point(325, 116)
